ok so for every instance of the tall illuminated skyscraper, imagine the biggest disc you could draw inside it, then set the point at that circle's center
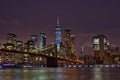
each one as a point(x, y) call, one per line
point(19, 45)
point(42, 40)
point(34, 38)
point(11, 42)
point(100, 46)
point(69, 42)
point(72, 41)
point(58, 35)
point(11, 38)
point(67, 34)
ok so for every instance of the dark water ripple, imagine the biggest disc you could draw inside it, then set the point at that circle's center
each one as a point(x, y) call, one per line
point(61, 74)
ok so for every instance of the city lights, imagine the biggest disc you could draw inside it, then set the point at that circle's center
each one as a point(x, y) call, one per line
point(35, 52)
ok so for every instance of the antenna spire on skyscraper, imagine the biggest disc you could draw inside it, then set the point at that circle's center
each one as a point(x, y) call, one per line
point(58, 21)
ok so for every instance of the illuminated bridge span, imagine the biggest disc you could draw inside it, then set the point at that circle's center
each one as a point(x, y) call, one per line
point(51, 61)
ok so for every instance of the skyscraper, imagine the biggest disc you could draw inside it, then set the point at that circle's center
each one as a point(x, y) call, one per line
point(10, 45)
point(100, 46)
point(42, 40)
point(34, 38)
point(72, 41)
point(19, 45)
point(58, 35)
point(69, 44)
point(11, 38)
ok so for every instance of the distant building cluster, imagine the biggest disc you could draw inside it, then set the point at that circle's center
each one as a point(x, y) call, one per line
point(103, 53)
point(65, 48)
point(30, 45)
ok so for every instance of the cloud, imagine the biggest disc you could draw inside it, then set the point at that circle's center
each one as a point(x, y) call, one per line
point(11, 21)
point(3, 21)
point(16, 22)
point(85, 38)
point(114, 45)
point(88, 44)
point(85, 35)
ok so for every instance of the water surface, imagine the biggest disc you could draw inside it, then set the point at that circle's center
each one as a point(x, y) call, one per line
point(61, 74)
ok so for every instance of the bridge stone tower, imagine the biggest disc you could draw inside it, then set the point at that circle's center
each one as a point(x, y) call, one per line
point(52, 61)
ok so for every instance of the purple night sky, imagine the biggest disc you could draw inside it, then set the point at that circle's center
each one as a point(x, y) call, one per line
point(85, 18)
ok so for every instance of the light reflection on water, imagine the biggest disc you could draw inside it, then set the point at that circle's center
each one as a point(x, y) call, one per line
point(60, 74)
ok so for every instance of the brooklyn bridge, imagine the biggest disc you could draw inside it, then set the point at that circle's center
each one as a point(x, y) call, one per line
point(49, 57)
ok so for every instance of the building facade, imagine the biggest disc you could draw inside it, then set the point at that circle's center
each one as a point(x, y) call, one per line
point(42, 41)
point(58, 35)
point(11, 38)
point(100, 47)
point(34, 38)
point(69, 44)
point(19, 45)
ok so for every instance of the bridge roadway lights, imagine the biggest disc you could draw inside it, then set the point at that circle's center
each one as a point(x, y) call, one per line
point(52, 62)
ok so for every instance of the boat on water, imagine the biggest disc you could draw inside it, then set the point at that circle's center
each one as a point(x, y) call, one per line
point(12, 65)
point(8, 66)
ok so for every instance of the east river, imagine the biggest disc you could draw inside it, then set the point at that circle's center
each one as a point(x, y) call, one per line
point(61, 74)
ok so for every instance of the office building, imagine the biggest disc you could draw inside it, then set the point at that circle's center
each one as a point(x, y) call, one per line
point(69, 44)
point(72, 41)
point(34, 39)
point(11, 41)
point(100, 47)
point(58, 35)
point(29, 46)
point(42, 41)
point(19, 45)
point(11, 38)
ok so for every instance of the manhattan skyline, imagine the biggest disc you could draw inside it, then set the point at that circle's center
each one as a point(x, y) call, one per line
point(84, 18)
